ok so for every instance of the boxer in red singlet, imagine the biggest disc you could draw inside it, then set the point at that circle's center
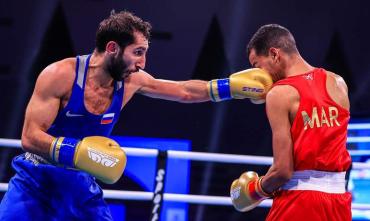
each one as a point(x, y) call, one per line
point(308, 110)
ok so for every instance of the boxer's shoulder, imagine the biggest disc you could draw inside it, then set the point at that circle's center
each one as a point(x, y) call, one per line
point(58, 77)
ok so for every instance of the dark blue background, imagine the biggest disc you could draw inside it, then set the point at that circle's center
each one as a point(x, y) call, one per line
point(191, 40)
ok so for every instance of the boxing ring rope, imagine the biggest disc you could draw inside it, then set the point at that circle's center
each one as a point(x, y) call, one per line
point(185, 155)
point(358, 126)
point(199, 156)
point(184, 198)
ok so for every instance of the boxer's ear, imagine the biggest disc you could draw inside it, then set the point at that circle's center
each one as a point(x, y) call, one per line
point(112, 47)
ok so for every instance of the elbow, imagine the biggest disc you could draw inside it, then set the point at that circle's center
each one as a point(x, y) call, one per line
point(282, 175)
point(27, 142)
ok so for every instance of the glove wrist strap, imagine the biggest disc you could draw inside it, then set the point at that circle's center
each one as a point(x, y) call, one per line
point(260, 190)
point(256, 191)
point(62, 150)
point(219, 89)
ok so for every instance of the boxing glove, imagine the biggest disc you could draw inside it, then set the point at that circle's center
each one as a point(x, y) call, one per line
point(251, 83)
point(100, 156)
point(246, 192)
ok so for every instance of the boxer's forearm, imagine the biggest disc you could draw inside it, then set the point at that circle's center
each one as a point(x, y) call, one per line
point(36, 141)
point(275, 178)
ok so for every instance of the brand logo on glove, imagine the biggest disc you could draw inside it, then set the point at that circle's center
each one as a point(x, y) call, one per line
point(102, 158)
point(253, 89)
point(235, 193)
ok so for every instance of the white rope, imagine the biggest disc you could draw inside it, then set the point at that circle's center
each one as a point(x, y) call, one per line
point(358, 139)
point(360, 206)
point(10, 143)
point(128, 195)
point(359, 152)
point(220, 158)
point(3, 187)
point(197, 156)
point(183, 198)
point(15, 143)
point(360, 166)
point(359, 126)
point(139, 152)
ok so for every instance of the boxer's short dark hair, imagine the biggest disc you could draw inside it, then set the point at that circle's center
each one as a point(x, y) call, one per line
point(120, 27)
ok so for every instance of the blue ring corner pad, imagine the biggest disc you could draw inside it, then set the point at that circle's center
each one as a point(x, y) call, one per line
point(142, 171)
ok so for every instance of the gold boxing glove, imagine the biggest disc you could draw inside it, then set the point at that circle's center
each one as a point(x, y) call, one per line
point(246, 192)
point(100, 156)
point(251, 83)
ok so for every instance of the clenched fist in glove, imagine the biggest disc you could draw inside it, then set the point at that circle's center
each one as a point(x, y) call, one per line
point(100, 156)
point(251, 83)
point(246, 192)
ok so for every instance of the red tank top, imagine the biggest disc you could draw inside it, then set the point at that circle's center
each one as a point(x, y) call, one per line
point(319, 129)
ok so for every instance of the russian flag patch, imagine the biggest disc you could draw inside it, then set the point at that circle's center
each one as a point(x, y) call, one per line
point(107, 118)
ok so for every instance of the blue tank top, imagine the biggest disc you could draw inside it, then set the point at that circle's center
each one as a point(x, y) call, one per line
point(75, 120)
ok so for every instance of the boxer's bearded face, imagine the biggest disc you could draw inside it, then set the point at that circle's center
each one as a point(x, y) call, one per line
point(130, 59)
point(134, 55)
point(117, 67)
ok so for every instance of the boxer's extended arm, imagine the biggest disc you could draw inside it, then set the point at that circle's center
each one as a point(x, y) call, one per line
point(252, 83)
point(182, 91)
point(279, 103)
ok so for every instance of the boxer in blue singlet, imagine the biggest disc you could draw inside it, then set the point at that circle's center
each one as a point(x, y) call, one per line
point(77, 99)
point(39, 187)
point(74, 99)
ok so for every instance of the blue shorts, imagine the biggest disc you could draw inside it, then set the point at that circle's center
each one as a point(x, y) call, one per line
point(41, 191)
